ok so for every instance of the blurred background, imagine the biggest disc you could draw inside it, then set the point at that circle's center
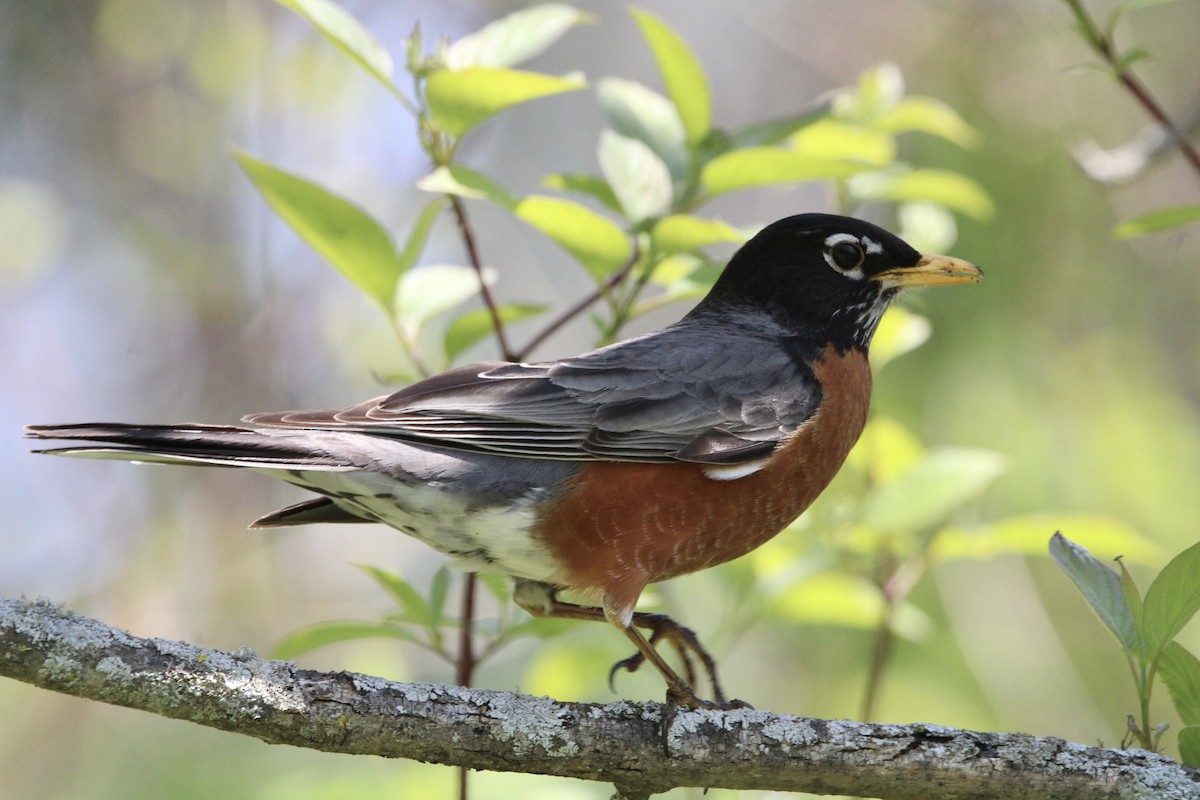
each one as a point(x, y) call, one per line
point(142, 279)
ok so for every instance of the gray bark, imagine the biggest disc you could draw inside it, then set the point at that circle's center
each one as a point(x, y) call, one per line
point(278, 702)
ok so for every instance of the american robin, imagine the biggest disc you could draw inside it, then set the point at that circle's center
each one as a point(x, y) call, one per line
point(641, 461)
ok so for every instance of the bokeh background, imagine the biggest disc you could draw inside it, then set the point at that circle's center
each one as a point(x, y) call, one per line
point(142, 279)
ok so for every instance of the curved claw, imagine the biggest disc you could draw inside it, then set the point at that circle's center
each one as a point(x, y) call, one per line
point(630, 664)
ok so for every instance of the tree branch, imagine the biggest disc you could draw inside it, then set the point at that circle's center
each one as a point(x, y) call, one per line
point(48, 646)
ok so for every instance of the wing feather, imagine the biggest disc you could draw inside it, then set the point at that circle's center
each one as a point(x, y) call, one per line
point(716, 396)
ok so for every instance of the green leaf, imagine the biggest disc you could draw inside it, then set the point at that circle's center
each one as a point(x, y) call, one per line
point(951, 189)
point(432, 290)
point(584, 184)
point(323, 634)
point(345, 235)
point(1161, 220)
point(407, 598)
point(834, 140)
point(639, 179)
point(460, 100)
point(1172, 600)
point(878, 91)
point(464, 182)
point(641, 113)
point(775, 131)
point(1180, 671)
point(1189, 745)
point(900, 331)
point(886, 450)
point(681, 233)
point(928, 227)
point(419, 234)
point(765, 166)
point(684, 276)
point(1133, 598)
point(1101, 588)
point(348, 35)
point(514, 38)
point(497, 585)
point(836, 598)
point(1026, 535)
point(928, 116)
point(474, 326)
point(681, 73)
point(601, 246)
point(439, 587)
point(939, 484)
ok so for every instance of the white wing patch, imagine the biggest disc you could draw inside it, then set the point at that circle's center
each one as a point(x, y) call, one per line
point(731, 472)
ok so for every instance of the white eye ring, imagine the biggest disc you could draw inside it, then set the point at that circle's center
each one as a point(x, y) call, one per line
point(849, 260)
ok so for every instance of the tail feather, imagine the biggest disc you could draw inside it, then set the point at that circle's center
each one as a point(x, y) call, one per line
point(204, 445)
point(319, 509)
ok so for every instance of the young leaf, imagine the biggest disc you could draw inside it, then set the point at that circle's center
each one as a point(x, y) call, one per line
point(942, 482)
point(1180, 671)
point(1189, 745)
point(681, 233)
point(514, 38)
point(419, 234)
point(639, 179)
point(928, 227)
point(323, 634)
point(1161, 220)
point(899, 332)
point(598, 244)
point(439, 587)
point(475, 326)
point(460, 100)
point(1172, 600)
point(1133, 598)
point(1026, 535)
point(345, 235)
point(409, 599)
point(775, 131)
point(928, 116)
point(681, 72)
point(950, 189)
point(584, 184)
point(1101, 588)
point(833, 139)
point(765, 166)
point(348, 35)
point(641, 113)
point(432, 290)
point(886, 450)
point(464, 182)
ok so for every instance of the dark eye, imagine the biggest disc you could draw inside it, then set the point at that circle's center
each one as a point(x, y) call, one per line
point(846, 255)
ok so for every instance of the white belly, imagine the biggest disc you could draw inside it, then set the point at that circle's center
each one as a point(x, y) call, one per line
point(478, 537)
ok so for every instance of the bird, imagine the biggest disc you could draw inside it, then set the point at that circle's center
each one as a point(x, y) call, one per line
point(602, 473)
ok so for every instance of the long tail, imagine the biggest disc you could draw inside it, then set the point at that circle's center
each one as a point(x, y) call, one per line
point(203, 445)
point(212, 446)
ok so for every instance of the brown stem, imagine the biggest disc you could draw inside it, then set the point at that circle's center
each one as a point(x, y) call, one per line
point(466, 646)
point(465, 671)
point(579, 307)
point(464, 227)
point(1103, 45)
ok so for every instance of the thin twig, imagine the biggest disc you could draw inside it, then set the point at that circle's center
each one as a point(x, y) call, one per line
point(1103, 45)
point(580, 306)
point(464, 226)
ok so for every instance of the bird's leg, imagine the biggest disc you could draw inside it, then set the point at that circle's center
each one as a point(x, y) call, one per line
point(540, 600)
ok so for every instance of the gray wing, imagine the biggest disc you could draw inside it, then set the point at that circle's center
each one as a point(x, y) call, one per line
point(682, 393)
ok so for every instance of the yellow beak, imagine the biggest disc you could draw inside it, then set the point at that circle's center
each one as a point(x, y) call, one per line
point(931, 270)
